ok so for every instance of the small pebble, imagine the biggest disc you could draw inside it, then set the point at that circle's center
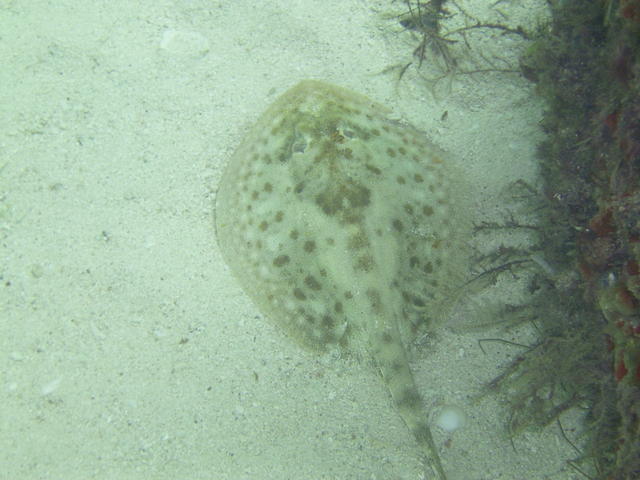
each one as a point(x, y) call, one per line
point(450, 418)
point(50, 387)
point(184, 43)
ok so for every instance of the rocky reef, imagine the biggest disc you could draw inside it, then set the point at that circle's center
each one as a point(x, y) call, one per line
point(586, 65)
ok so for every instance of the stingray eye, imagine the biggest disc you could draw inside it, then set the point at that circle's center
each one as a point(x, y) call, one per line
point(299, 146)
point(337, 137)
point(300, 143)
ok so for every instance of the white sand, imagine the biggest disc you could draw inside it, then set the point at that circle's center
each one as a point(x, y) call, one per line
point(126, 348)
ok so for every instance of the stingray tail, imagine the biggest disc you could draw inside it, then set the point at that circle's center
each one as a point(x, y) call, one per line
point(390, 356)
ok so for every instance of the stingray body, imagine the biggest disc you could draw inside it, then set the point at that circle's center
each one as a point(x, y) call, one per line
point(342, 225)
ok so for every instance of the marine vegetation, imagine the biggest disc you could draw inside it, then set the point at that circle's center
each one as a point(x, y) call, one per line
point(585, 297)
point(442, 32)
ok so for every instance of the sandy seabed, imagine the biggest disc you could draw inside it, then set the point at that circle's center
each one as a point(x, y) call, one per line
point(127, 350)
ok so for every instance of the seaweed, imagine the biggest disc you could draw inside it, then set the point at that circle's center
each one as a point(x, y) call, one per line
point(437, 43)
point(586, 65)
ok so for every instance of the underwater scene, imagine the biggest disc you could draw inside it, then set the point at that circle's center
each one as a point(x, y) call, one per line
point(320, 240)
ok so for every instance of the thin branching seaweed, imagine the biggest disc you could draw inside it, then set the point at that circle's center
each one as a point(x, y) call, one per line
point(443, 32)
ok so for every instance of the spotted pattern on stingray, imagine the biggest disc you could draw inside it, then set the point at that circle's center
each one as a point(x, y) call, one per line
point(345, 227)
